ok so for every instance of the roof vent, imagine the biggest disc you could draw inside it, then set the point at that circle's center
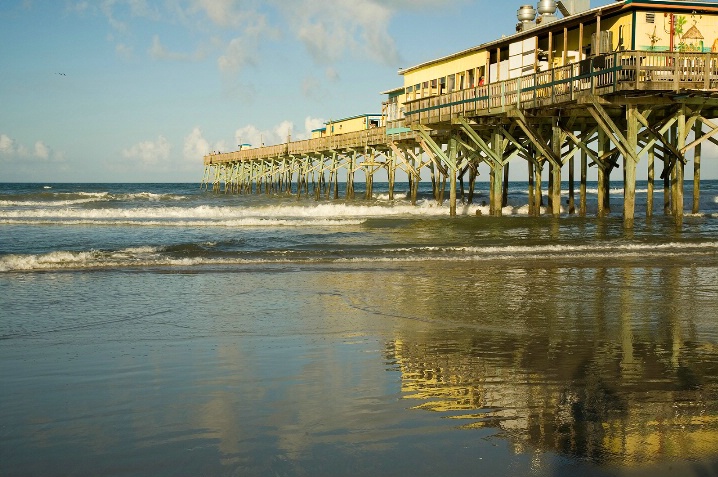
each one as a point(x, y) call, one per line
point(547, 7)
point(526, 16)
point(547, 10)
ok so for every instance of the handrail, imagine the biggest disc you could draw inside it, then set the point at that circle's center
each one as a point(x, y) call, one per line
point(375, 136)
point(606, 74)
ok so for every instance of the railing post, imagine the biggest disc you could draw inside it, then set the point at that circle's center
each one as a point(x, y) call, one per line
point(676, 74)
point(518, 92)
point(590, 76)
point(615, 71)
point(707, 71)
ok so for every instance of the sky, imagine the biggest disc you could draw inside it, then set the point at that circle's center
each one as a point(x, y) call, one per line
point(140, 90)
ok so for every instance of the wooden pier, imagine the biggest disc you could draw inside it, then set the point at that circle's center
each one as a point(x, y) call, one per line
point(609, 111)
point(635, 104)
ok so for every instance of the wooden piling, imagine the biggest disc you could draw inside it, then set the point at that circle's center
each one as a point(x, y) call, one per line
point(452, 173)
point(629, 168)
point(556, 173)
point(651, 180)
point(698, 133)
point(584, 180)
point(678, 167)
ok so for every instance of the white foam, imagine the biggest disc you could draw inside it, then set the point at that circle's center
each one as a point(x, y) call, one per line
point(248, 222)
point(54, 203)
point(318, 211)
point(155, 256)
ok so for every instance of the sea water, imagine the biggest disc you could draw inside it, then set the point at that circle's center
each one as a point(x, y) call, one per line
point(160, 329)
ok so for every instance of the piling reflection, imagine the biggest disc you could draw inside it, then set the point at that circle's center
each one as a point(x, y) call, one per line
point(625, 374)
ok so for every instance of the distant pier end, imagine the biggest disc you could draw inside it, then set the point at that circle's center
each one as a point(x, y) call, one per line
point(603, 87)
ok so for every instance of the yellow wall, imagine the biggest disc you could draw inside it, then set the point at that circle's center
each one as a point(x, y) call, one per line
point(427, 77)
point(706, 24)
point(348, 125)
point(621, 26)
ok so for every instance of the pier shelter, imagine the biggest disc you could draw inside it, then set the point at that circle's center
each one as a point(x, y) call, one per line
point(605, 87)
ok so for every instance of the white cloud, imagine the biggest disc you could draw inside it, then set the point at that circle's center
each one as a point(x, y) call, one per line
point(159, 52)
point(11, 149)
point(252, 135)
point(41, 150)
point(284, 130)
point(195, 145)
point(149, 153)
point(311, 124)
point(330, 29)
point(238, 54)
point(223, 13)
point(7, 145)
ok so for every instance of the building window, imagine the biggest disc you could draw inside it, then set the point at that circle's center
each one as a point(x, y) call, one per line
point(650, 17)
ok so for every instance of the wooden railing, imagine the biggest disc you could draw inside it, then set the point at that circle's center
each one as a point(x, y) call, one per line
point(601, 75)
point(340, 142)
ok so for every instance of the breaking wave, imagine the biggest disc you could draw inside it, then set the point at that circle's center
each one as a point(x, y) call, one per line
point(197, 255)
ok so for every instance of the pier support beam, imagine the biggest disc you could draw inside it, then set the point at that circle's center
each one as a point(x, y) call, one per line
point(571, 195)
point(584, 180)
point(538, 193)
point(496, 200)
point(453, 145)
point(350, 175)
point(651, 181)
point(601, 192)
point(698, 132)
point(530, 162)
point(556, 173)
point(678, 168)
point(667, 189)
point(629, 167)
point(391, 171)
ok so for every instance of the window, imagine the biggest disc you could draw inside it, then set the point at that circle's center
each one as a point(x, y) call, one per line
point(650, 17)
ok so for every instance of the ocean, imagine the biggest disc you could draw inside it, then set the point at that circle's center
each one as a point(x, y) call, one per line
point(164, 330)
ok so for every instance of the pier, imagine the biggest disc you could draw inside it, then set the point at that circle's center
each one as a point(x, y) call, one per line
point(573, 107)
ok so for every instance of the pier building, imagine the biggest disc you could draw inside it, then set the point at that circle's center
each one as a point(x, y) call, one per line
point(574, 87)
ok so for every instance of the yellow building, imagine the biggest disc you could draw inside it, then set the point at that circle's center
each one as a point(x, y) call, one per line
point(543, 40)
point(352, 124)
point(319, 132)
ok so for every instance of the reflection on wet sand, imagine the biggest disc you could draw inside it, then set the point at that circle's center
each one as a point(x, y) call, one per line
point(393, 369)
point(624, 375)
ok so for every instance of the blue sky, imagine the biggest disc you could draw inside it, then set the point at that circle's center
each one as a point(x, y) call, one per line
point(139, 90)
